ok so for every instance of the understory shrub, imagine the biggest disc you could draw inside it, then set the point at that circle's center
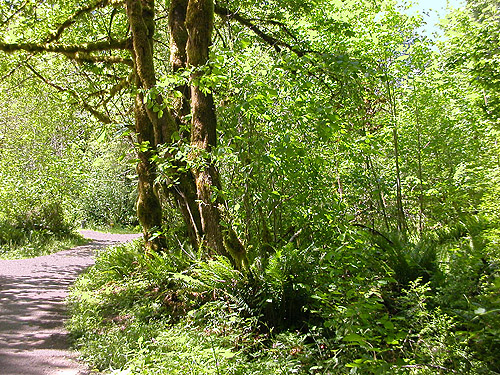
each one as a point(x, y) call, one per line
point(48, 216)
point(338, 309)
point(145, 314)
point(10, 234)
point(36, 228)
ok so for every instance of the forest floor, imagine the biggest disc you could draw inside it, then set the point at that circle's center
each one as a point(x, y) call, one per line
point(33, 340)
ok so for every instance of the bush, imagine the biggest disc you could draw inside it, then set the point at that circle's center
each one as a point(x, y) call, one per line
point(9, 234)
point(48, 216)
point(38, 228)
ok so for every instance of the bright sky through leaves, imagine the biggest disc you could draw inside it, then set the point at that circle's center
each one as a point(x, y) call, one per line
point(433, 10)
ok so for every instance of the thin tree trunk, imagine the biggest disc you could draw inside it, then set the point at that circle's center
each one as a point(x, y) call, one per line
point(419, 172)
point(379, 195)
point(149, 210)
point(399, 196)
point(401, 220)
point(199, 25)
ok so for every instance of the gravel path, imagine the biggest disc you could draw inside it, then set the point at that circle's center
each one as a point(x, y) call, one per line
point(32, 311)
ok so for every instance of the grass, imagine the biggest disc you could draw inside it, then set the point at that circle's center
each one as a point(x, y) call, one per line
point(39, 243)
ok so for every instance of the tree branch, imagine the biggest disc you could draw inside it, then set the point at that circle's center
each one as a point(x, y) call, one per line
point(67, 48)
point(119, 87)
point(269, 39)
point(98, 115)
point(282, 25)
point(54, 36)
point(86, 57)
point(373, 231)
point(13, 70)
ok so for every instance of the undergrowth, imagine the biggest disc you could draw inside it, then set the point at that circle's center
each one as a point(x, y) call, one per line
point(357, 306)
point(33, 243)
point(35, 229)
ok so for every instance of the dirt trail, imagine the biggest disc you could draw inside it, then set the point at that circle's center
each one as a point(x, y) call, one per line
point(32, 311)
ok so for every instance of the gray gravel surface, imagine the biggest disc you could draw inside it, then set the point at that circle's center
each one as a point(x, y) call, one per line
point(32, 310)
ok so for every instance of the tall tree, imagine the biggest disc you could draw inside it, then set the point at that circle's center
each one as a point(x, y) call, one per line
point(194, 181)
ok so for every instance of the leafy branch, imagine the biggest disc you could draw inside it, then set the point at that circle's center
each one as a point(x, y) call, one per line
point(72, 19)
point(97, 114)
point(277, 44)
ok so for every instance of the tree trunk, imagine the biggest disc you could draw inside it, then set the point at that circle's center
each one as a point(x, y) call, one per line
point(400, 216)
point(379, 193)
point(199, 24)
point(151, 127)
point(185, 192)
point(419, 169)
point(190, 24)
point(399, 197)
point(178, 57)
point(149, 210)
point(219, 240)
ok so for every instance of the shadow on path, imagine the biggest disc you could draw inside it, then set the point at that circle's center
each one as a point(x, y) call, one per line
point(32, 310)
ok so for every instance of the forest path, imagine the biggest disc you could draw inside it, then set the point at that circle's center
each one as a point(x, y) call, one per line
point(33, 340)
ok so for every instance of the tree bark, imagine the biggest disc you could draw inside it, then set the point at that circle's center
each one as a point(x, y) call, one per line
point(178, 57)
point(151, 129)
point(185, 192)
point(219, 240)
point(199, 25)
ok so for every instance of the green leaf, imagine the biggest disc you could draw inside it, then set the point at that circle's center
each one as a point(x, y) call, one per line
point(102, 137)
point(227, 354)
point(354, 337)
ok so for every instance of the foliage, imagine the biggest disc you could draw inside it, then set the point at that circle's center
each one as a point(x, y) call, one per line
point(108, 192)
point(358, 167)
point(16, 243)
point(473, 48)
point(55, 171)
point(340, 311)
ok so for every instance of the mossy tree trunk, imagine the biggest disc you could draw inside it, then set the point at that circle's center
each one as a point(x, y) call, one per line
point(151, 128)
point(185, 192)
point(220, 240)
point(190, 26)
point(199, 25)
point(195, 191)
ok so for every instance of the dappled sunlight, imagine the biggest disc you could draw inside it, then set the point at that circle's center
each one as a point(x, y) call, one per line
point(33, 310)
